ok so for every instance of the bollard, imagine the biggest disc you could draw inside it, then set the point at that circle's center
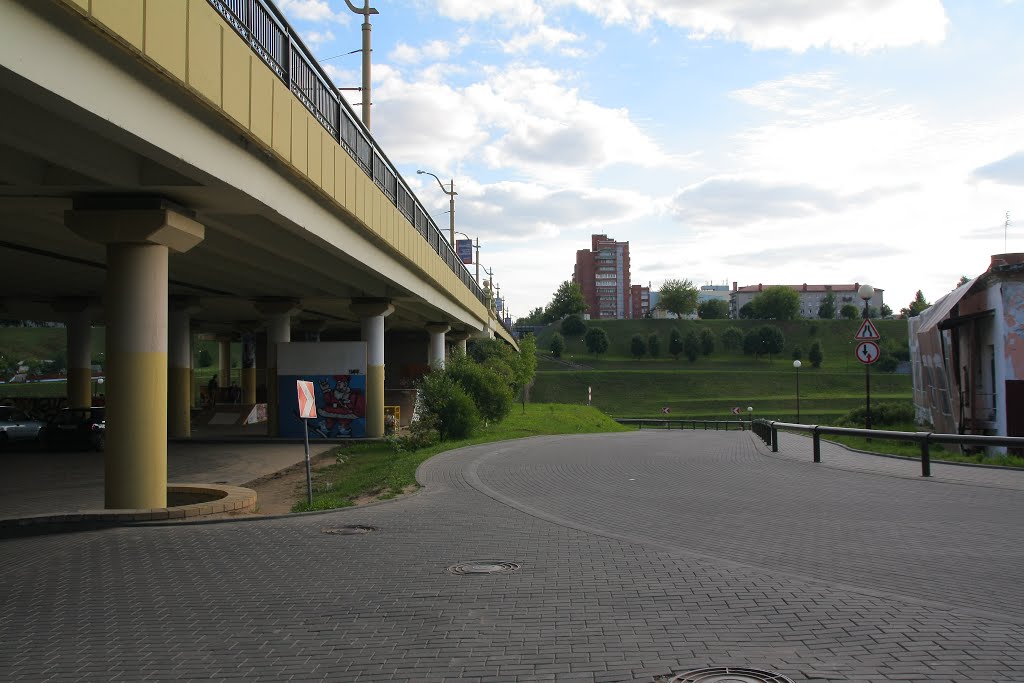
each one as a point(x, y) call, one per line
point(926, 457)
point(817, 445)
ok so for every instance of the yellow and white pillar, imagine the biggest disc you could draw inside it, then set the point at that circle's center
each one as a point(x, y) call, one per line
point(436, 350)
point(371, 313)
point(224, 362)
point(248, 367)
point(179, 367)
point(279, 331)
point(459, 341)
point(139, 234)
point(78, 327)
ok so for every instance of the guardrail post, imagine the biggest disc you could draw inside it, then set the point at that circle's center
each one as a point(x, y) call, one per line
point(817, 444)
point(926, 457)
point(775, 439)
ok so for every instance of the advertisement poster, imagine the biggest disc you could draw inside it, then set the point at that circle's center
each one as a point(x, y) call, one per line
point(338, 373)
point(464, 249)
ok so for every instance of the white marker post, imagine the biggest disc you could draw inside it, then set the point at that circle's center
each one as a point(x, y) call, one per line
point(307, 409)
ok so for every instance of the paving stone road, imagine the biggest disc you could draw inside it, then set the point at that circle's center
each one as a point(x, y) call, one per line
point(643, 554)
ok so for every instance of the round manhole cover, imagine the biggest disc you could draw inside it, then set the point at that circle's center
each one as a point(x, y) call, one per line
point(729, 674)
point(483, 567)
point(352, 530)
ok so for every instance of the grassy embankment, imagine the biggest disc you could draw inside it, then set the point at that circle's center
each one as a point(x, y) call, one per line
point(378, 470)
point(624, 386)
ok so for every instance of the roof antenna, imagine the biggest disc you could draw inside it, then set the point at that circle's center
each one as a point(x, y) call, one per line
point(1006, 228)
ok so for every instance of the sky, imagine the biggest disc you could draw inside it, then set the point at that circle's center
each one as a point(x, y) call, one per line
point(783, 142)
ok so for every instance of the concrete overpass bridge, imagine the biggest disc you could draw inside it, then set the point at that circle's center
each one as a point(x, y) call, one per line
point(184, 166)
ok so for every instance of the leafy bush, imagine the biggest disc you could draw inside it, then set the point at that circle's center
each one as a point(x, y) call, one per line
point(675, 343)
point(573, 326)
point(637, 345)
point(691, 346)
point(447, 406)
point(815, 355)
point(732, 339)
point(882, 415)
point(596, 340)
point(557, 345)
point(707, 341)
point(653, 346)
point(490, 392)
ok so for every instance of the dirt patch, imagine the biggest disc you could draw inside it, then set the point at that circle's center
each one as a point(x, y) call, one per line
point(276, 493)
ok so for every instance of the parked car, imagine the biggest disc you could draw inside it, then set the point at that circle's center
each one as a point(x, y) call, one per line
point(77, 428)
point(17, 426)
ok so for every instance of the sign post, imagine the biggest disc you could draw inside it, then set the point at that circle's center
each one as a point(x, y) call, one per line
point(867, 353)
point(307, 410)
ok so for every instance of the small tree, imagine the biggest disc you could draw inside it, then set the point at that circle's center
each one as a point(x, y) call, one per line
point(678, 296)
point(916, 306)
point(557, 345)
point(772, 339)
point(849, 312)
point(732, 339)
point(707, 342)
point(653, 346)
point(747, 311)
point(596, 340)
point(573, 326)
point(447, 406)
point(713, 309)
point(777, 302)
point(815, 355)
point(567, 299)
point(798, 353)
point(691, 346)
point(752, 343)
point(675, 343)
point(637, 346)
point(485, 385)
point(827, 309)
point(886, 311)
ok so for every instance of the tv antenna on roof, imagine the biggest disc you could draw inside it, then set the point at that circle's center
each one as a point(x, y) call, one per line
point(1006, 228)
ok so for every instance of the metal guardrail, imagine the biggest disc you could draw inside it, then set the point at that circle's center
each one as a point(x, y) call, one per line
point(768, 431)
point(743, 425)
point(270, 36)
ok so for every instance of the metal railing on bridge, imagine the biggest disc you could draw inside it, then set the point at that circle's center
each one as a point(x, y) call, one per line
point(768, 431)
point(270, 36)
point(717, 425)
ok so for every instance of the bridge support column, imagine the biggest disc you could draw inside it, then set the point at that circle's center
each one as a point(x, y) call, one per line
point(248, 368)
point(78, 327)
point(459, 341)
point(224, 362)
point(179, 367)
point(279, 331)
point(139, 234)
point(435, 354)
point(372, 313)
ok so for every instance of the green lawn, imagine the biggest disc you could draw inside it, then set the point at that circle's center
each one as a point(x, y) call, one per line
point(377, 469)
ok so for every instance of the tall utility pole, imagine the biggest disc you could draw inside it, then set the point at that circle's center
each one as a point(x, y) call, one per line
point(366, 11)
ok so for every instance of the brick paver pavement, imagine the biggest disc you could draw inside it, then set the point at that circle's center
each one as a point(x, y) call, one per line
point(643, 554)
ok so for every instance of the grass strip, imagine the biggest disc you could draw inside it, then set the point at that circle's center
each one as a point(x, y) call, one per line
point(377, 470)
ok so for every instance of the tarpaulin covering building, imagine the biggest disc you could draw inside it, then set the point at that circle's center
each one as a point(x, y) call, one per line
point(967, 352)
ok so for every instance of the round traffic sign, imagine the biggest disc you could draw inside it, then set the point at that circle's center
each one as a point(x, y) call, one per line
point(868, 352)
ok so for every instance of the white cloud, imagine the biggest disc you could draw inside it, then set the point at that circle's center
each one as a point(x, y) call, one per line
point(432, 51)
point(797, 25)
point(312, 10)
point(547, 38)
point(1006, 171)
point(506, 12)
point(316, 38)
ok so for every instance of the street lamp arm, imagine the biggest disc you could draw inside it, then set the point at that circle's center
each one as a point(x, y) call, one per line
point(448, 192)
point(366, 8)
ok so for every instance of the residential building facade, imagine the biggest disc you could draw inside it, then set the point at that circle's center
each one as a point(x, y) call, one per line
point(640, 301)
point(811, 297)
point(602, 273)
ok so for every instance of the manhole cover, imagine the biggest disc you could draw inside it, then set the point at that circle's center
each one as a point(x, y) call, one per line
point(353, 530)
point(729, 674)
point(483, 567)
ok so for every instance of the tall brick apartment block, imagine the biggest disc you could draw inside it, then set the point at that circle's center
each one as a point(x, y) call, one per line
point(603, 275)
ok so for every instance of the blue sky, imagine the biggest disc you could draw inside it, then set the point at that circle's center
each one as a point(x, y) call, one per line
point(877, 141)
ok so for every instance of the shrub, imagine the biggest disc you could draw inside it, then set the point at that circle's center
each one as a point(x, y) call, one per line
point(732, 339)
point(573, 326)
point(490, 391)
point(675, 343)
point(691, 346)
point(798, 353)
point(815, 355)
point(653, 346)
point(637, 345)
point(707, 341)
point(557, 345)
point(882, 415)
point(596, 340)
point(447, 406)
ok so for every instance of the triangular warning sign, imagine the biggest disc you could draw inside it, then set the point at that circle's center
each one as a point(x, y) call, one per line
point(867, 331)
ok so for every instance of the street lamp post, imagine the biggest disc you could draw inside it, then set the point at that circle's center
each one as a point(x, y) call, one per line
point(366, 11)
point(797, 364)
point(476, 246)
point(451, 203)
point(866, 292)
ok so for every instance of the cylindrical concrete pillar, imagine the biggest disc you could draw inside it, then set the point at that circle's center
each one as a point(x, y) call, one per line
point(372, 313)
point(224, 362)
point(79, 336)
point(248, 368)
point(139, 233)
point(179, 374)
point(436, 350)
point(458, 340)
point(136, 310)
